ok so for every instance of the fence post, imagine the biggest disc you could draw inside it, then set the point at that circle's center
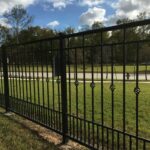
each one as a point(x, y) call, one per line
point(5, 75)
point(63, 88)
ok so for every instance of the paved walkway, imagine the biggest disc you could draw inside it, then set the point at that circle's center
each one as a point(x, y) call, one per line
point(88, 76)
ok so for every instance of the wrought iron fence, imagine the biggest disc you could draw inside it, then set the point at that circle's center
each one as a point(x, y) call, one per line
point(91, 87)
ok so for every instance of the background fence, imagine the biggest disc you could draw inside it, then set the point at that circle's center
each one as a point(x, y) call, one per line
point(91, 87)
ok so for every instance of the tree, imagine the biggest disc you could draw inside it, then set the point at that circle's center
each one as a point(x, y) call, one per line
point(143, 30)
point(2, 37)
point(69, 30)
point(18, 19)
point(123, 21)
point(117, 36)
point(97, 25)
point(35, 33)
point(85, 28)
point(144, 33)
point(4, 34)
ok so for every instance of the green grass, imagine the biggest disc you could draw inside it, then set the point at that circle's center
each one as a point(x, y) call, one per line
point(13, 136)
point(97, 68)
point(29, 91)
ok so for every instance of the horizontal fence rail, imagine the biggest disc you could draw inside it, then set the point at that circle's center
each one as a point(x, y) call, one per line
point(91, 87)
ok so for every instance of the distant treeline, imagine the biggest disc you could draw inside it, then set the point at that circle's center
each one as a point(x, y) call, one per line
point(79, 49)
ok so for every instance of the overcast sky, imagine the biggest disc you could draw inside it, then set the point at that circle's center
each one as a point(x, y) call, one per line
point(59, 14)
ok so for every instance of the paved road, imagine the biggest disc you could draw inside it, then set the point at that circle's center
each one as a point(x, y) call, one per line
point(97, 76)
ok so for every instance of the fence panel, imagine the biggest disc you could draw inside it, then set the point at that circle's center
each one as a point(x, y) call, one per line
point(34, 90)
point(106, 87)
point(91, 87)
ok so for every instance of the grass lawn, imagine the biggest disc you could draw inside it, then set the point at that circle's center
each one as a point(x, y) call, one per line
point(13, 136)
point(47, 93)
point(37, 92)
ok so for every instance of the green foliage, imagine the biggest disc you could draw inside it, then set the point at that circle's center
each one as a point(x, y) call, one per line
point(35, 33)
point(18, 19)
point(97, 25)
point(69, 30)
point(3, 34)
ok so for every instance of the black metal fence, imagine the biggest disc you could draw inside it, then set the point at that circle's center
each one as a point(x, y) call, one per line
point(91, 87)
